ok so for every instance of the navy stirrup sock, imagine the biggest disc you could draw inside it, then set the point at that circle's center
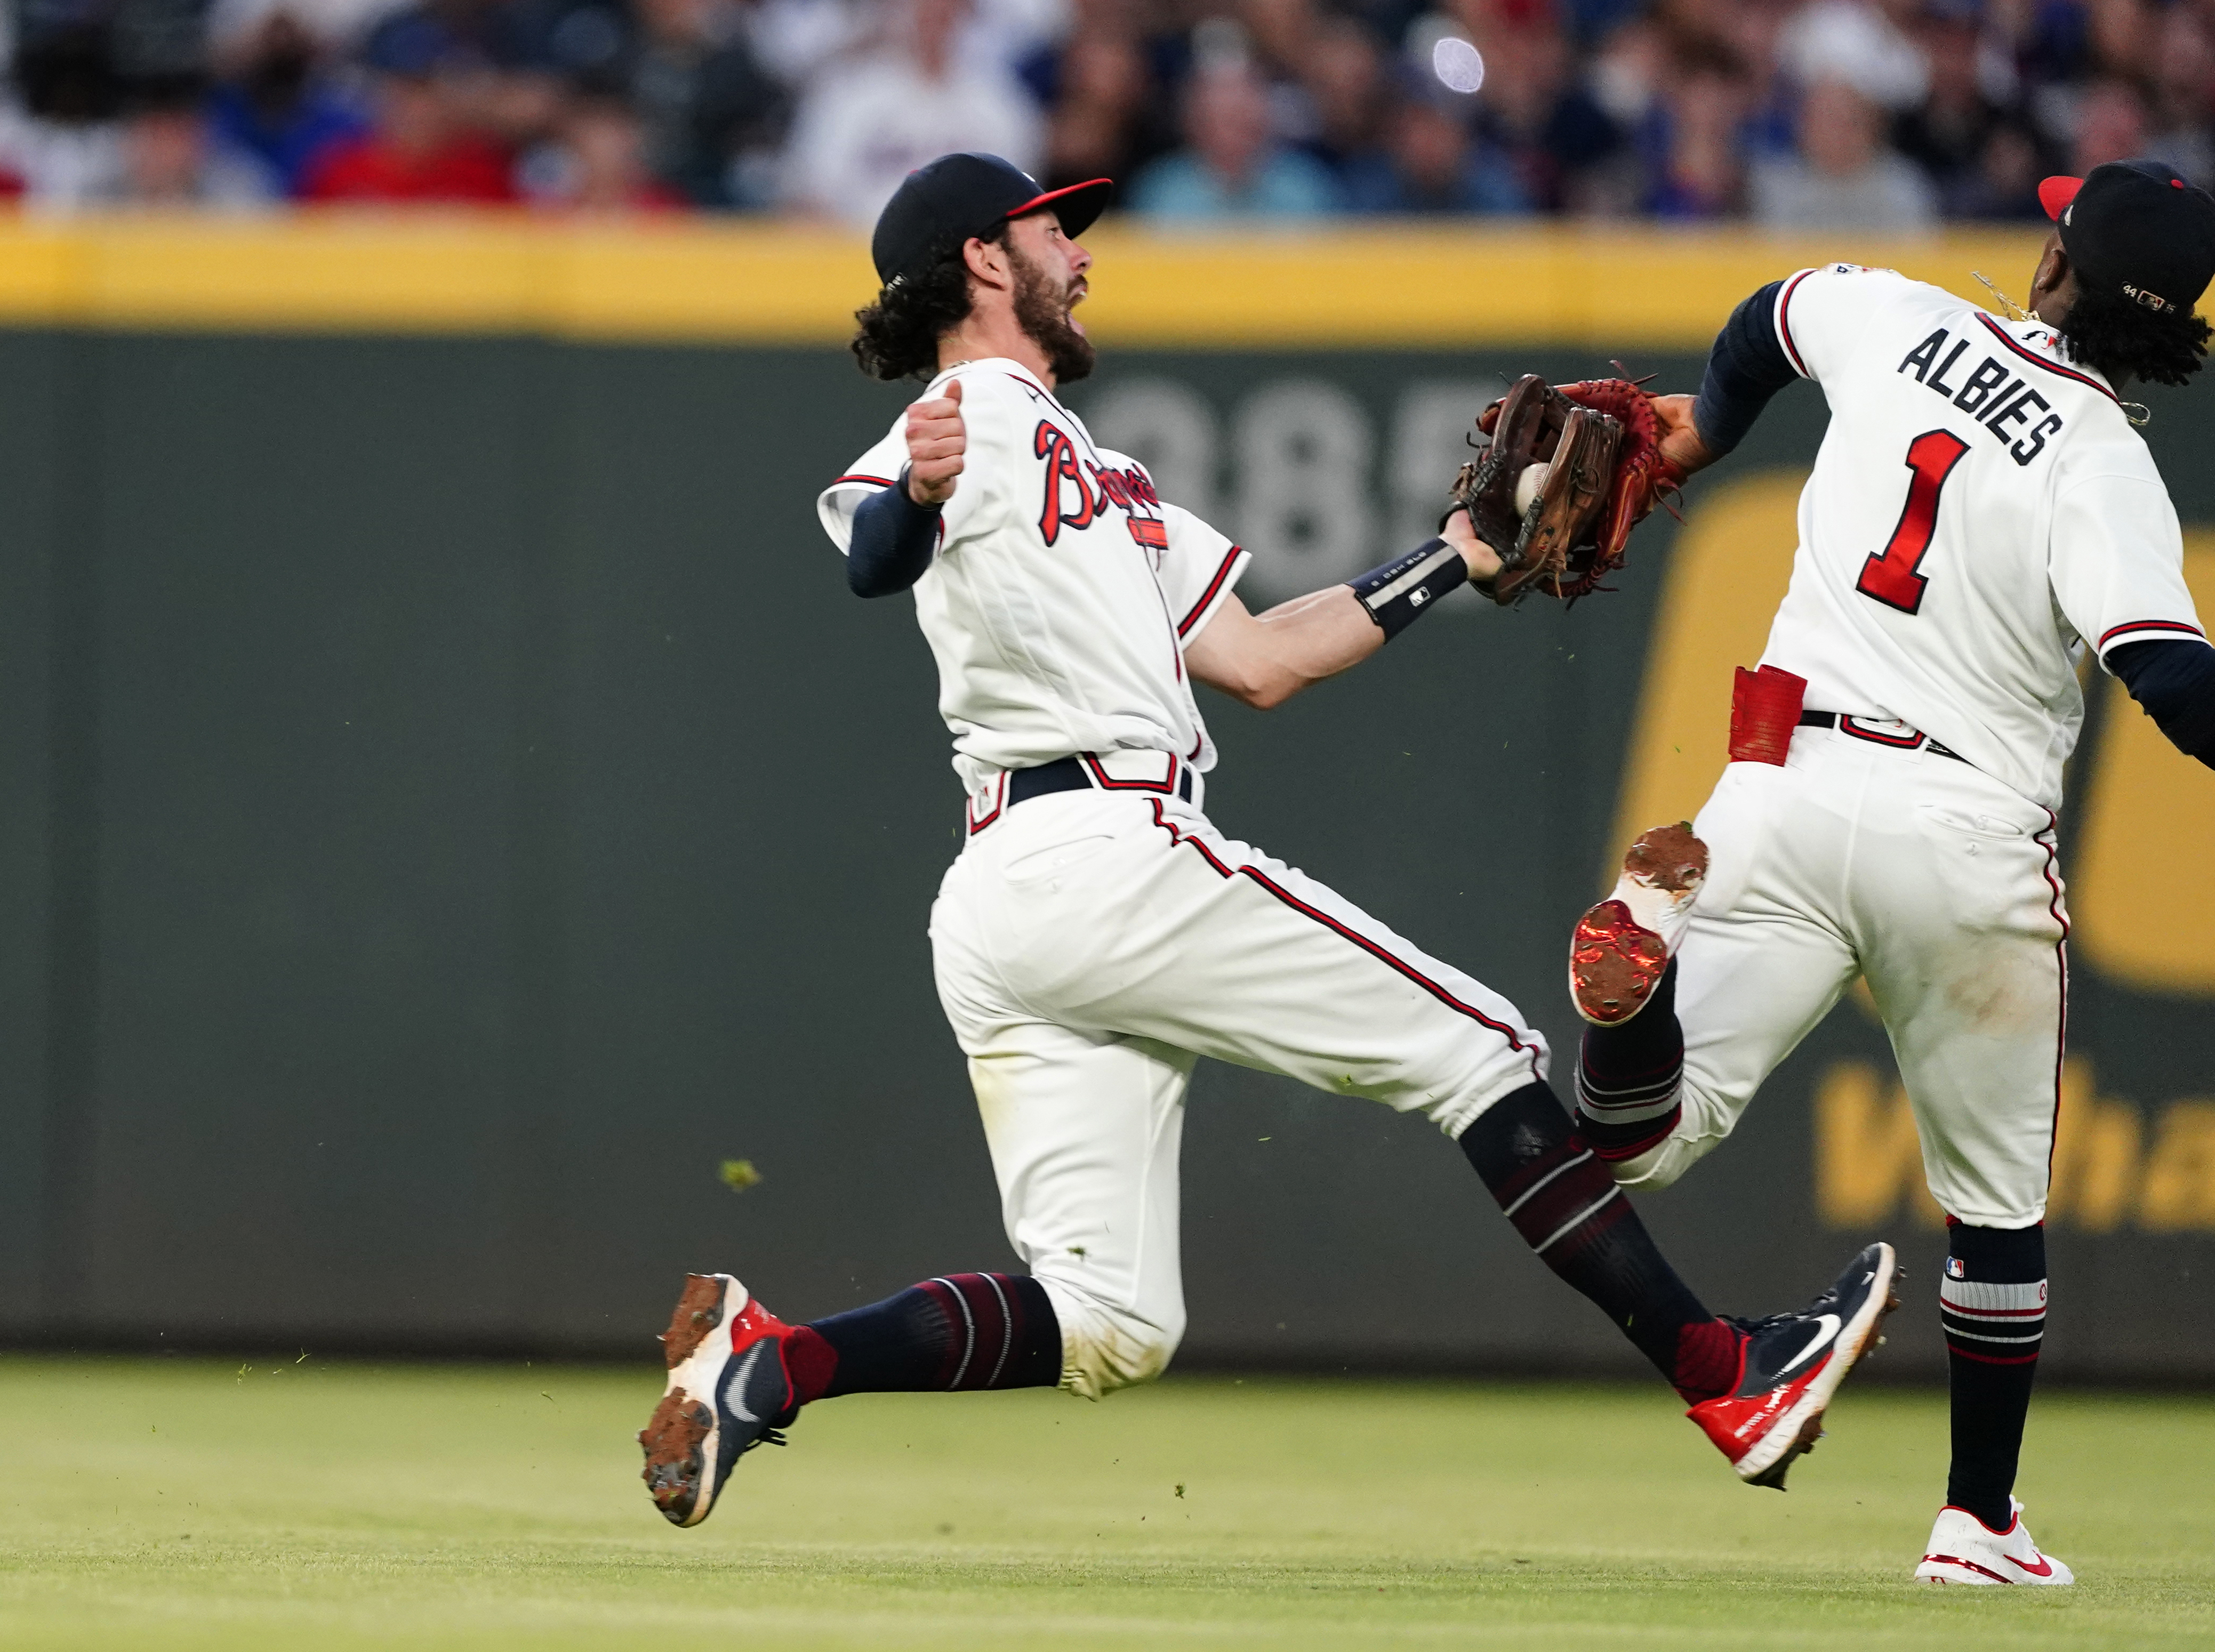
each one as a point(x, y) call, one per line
point(1630, 1078)
point(958, 1331)
point(1992, 1301)
point(1553, 1186)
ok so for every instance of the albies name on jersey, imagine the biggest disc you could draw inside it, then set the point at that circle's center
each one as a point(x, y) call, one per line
point(1996, 397)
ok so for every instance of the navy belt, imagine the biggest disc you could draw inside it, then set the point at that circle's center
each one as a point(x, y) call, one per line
point(1068, 774)
point(1844, 725)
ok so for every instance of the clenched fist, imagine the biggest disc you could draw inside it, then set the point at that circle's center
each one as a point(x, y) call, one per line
point(1680, 437)
point(935, 443)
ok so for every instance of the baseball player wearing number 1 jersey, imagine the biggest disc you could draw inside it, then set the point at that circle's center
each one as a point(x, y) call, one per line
point(1099, 934)
point(1981, 516)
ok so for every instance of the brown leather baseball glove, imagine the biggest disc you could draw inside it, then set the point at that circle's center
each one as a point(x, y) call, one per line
point(1561, 529)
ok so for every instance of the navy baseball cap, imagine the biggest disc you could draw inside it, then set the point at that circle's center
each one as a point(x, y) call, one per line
point(2136, 228)
point(958, 196)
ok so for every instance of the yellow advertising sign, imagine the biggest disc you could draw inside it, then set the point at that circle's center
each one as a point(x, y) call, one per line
point(736, 282)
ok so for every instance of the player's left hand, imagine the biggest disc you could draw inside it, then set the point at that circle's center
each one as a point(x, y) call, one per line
point(1484, 561)
point(1680, 443)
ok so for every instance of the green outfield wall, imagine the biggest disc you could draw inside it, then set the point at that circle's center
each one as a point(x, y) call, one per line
point(454, 805)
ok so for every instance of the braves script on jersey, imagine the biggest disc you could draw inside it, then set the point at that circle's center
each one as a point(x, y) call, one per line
point(1980, 509)
point(1063, 590)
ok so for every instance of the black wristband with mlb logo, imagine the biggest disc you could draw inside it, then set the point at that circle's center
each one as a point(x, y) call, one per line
point(1398, 593)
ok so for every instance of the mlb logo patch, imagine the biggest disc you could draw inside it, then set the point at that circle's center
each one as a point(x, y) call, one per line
point(1956, 1269)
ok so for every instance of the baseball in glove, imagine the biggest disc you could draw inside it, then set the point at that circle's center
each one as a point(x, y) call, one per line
point(1571, 470)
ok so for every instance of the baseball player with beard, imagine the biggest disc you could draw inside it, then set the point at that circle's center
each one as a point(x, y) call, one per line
point(1098, 934)
point(1981, 516)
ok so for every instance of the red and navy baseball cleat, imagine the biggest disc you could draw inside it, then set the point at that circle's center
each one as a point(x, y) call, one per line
point(1790, 1365)
point(729, 1392)
point(1964, 1549)
point(1622, 946)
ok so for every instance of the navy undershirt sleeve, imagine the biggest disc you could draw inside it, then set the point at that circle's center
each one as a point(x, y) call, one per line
point(894, 541)
point(1746, 367)
point(2175, 681)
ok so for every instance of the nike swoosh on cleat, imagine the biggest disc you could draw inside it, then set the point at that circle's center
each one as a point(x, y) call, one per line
point(2043, 1569)
point(731, 1389)
point(1827, 1329)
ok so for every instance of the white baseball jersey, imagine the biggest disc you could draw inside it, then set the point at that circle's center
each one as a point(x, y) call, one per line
point(1981, 511)
point(1091, 945)
point(1064, 591)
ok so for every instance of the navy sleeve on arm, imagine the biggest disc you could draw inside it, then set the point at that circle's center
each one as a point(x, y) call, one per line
point(894, 541)
point(1746, 367)
point(2175, 681)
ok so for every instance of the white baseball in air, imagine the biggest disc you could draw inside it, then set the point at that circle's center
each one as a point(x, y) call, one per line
point(1458, 66)
point(1528, 484)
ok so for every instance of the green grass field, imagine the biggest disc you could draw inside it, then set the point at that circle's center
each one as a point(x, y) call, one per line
point(183, 1503)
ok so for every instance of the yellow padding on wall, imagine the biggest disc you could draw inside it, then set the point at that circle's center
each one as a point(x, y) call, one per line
point(692, 281)
point(2143, 885)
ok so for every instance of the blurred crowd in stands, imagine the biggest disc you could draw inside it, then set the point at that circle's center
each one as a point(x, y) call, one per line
point(1880, 114)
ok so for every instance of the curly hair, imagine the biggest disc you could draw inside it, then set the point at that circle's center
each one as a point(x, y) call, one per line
point(2126, 341)
point(898, 335)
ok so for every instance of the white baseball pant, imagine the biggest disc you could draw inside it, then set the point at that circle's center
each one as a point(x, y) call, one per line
point(1938, 885)
point(1089, 946)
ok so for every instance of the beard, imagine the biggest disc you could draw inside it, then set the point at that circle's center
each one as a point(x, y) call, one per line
point(1042, 312)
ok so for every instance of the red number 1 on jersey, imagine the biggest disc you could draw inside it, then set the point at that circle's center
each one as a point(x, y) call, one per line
point(1891, 577)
